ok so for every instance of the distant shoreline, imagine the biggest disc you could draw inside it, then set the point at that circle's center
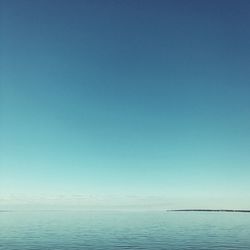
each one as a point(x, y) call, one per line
point(210, 210)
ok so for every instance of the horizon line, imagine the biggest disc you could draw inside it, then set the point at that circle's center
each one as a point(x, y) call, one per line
point(210, 210)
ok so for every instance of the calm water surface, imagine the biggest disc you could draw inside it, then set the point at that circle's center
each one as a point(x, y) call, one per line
point(123, 230)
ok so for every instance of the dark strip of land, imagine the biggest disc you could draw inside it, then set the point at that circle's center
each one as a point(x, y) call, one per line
point(211, 210)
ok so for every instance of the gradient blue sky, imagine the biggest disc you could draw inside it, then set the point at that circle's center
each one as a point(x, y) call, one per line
point(143, 101)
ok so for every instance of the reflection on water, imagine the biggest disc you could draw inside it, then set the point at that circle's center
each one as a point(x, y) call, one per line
point(64, 230)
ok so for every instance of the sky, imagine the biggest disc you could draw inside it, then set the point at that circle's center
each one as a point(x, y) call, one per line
point(141, 104)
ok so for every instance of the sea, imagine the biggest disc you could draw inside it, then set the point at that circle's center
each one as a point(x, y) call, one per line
point(108, 230)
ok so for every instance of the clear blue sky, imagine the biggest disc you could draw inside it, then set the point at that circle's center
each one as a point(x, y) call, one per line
point(126, 99)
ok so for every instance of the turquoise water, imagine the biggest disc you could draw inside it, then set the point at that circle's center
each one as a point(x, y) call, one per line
point(63, 230)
